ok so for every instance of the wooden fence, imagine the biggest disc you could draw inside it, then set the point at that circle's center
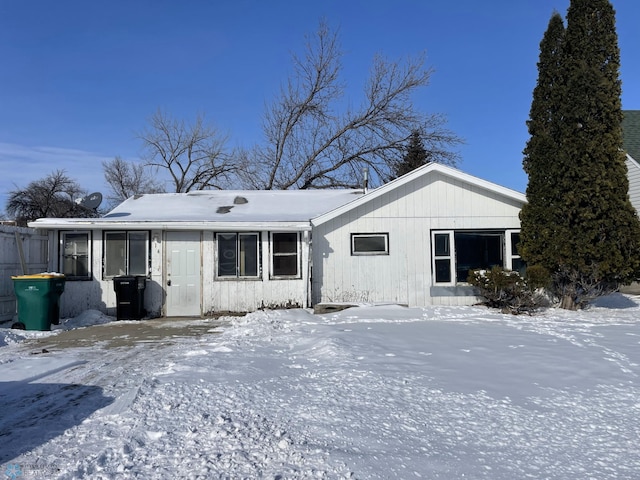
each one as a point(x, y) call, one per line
point(22, 251)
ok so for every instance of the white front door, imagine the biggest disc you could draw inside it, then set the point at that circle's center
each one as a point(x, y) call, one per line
point(182, 282)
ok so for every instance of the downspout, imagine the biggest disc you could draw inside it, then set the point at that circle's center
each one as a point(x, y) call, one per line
point(307, 239)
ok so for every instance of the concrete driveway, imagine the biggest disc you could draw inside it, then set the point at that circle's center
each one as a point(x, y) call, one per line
point(159, 331)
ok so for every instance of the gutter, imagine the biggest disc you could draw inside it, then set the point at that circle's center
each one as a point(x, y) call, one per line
point(88, 224)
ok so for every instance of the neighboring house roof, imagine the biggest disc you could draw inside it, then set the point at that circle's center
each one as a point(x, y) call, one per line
point(424, 170)
point(631, 133)
point(219, 209)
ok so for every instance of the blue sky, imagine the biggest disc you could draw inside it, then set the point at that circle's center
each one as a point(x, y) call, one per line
point(79, 78)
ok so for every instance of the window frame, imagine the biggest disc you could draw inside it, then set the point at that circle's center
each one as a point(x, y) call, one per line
point(355, 253)
point(63, 254)
point(127, 254)
point(273, 255)
point(238, 256)
point(487, 239)
point(508, 252)
point(511, 251)
point(449, 256)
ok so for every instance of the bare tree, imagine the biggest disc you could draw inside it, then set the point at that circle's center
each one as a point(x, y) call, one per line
point(310, 143)
point(193, 154)
point(56, 196)
point(126, 179)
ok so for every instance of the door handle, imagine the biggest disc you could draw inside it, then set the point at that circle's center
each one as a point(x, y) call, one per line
point(169, 283)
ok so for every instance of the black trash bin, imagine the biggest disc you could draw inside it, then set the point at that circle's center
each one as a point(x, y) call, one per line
point(129, 296)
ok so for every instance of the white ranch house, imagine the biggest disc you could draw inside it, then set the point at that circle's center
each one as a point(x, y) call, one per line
point(411, 241)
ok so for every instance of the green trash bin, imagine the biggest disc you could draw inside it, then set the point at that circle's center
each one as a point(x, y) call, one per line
point(38, 299)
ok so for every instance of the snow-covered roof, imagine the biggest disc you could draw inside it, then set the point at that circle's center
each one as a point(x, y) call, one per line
point(219, 209)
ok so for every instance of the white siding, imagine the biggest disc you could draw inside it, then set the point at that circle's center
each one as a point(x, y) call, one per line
point(633, 173)
point(218, 295)
point(245, 295)
point(99, 293)
point(408, 213)
point(154, 294)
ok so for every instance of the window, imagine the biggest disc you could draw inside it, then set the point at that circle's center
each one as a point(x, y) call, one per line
point(75, 257)
point(126, 253)
point(455, 253)
point(476, 250)
point(369, 244)
point(442, 257)
point(285, 254)
point(517, 264)
point(237, 254)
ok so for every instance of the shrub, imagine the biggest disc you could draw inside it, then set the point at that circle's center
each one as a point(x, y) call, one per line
point(538, 276)
point(509, 291)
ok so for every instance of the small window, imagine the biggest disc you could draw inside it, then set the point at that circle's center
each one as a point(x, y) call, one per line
point(515, 240)
point(442, 257)
point(126, 253)
point(369, 244)
point(237, 254)
point(285, 254)
point(75, 258)
point(138, 253)
point(517, 263)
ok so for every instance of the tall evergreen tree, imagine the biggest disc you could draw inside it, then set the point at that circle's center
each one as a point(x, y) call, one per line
point(538, 216)
point(589, 232)
point(415, 156)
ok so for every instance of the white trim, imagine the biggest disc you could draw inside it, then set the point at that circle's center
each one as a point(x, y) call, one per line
point(507, 257)
point(272, 254)
point(451, 258)
point(62, 254)
point(237, 275)
point(355, 235)
point(127, 255)
point(102, 224)
point(508, 248)
point(633, 162)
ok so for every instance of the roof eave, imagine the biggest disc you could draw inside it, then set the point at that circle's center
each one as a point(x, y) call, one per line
point(88, 224)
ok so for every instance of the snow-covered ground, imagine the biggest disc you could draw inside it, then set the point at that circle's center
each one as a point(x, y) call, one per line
point(369, 392)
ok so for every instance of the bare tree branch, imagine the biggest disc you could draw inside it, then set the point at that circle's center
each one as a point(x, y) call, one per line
point(310, 143)
point(126, 179)
point(194, 155)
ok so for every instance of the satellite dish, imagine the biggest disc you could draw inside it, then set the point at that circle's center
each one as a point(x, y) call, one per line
point(92, 201)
